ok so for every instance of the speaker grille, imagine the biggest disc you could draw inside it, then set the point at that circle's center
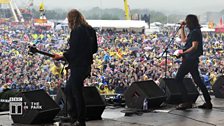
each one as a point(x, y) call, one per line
point(171, 88)
point(141, 90)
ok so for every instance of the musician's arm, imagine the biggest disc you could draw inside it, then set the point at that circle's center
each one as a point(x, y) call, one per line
point(192, 48)
point(183, 35)
point(195, 42)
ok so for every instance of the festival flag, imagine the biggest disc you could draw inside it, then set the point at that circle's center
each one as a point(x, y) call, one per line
point(220, 21)
point(41, 7)
point(210, 24)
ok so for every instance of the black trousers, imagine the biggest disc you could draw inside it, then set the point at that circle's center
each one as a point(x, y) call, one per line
point(74, 93)
point(191, 65)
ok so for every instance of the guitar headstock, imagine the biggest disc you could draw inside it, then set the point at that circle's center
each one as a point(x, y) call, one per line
point(32, 49)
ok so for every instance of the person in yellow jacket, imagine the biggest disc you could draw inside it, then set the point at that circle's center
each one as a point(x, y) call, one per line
point(56, 69)
point(102, 88)
point(110, 90)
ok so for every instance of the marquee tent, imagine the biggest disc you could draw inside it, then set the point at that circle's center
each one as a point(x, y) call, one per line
point(119, 24)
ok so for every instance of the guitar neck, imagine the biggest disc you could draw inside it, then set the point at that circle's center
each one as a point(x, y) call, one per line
point(44, 53)
point(33, 50)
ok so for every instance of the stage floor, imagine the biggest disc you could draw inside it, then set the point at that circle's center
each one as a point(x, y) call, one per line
point(166, 116)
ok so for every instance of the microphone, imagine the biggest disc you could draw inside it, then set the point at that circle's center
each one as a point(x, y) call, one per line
point(181, 24)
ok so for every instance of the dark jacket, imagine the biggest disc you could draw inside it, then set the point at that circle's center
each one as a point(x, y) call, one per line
point(82, 46)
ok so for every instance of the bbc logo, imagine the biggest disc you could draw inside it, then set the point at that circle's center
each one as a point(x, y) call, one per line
point(16, 106)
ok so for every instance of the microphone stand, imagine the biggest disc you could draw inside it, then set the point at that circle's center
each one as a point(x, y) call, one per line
point(66, 80)
point(166, 50)
point(166, 57)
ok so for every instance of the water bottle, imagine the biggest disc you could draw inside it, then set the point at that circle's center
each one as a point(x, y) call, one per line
point(145, 104)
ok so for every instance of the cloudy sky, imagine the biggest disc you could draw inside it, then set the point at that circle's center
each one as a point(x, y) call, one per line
point(181, 6)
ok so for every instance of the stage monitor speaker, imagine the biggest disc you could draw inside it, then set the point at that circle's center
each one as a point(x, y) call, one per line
point(95, 104)
point(218, 87)
point(171, 89)
point(5, 95)
point(141, 90)
point(37, 108)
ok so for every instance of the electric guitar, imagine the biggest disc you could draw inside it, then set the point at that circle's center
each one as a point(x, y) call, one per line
point(33, 50)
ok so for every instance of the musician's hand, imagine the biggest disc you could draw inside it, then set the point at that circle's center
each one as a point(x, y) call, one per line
point(182, 24)
point(57, 57)
point(180, 54)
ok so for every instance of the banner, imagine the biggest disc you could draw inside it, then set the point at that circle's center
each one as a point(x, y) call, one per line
point(40, 21)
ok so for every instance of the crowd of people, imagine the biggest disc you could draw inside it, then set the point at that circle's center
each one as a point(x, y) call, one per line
point(123, 57)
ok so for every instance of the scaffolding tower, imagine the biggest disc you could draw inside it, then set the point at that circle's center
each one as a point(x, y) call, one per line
point(17, 15)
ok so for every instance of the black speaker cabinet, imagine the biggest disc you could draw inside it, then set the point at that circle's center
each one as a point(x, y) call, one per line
point(4, 106)
point(141, 90)
point(171, 89)
point(37, 108)
point(218, 87)
point(95, 104)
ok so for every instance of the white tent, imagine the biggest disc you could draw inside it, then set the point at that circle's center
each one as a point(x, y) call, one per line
point(119, 24)
point(207, 30)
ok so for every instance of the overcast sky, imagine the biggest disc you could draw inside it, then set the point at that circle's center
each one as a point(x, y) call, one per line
point(172, 6)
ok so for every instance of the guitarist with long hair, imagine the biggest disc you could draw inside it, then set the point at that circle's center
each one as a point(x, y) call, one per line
point(193, 50)
point(82, 46)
